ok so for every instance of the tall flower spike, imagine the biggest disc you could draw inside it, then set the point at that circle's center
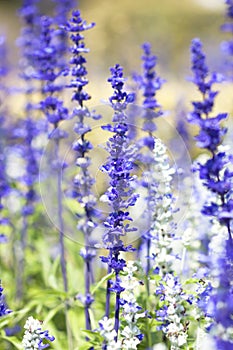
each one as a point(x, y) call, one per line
point(162, 208)
point(130, 335)
point(28, 41)
point(28, 129)
point(149, 83)
point(83, 181)
point(48, 70)
point(75, 27)
point(214, 172)
point(62, 11)
point(34, 338)
point(217, 177)
point(120, 195)
point(4, 185)
point(227, 46)
point(171, 310)
point(131, 311)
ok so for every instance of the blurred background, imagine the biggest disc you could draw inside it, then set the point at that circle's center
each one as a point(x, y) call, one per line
point(123, 25)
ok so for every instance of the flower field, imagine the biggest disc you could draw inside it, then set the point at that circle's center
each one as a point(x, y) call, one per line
point(115, 216)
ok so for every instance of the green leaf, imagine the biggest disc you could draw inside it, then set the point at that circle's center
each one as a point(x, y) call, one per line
point(99, 284)
point(13, 340)
point(93, 335)
point(191, 281)
point(53, 312)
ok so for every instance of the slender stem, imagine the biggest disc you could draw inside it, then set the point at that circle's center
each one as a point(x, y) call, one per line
point(148, 239)
point(60, 220)
point(62, 244)
point(88, 261)
point(148, 246)
point(21, 259)
point(107, 307)
point(87, 287)
point(148, 331)
point(117, 304)
point(117, 313)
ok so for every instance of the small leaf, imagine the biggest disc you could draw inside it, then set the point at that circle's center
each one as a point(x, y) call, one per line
point(105, 278)
point(94, 336)
point(13, 340)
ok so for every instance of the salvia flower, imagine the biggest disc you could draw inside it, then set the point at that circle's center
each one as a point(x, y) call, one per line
point(131, 311)
point(161, 205)
point(28, 129)
point(4, 184)
point(75, 27)
point(172, 310)
point(3, 306)
point(106, 329)
point(83, 181)
point(34, 338)
point(28, 41)
point(215, 172)
point(149, 83)
point(48, 71)
point(220, 303)
point(120, 194)
point(62, 10)
point(195, 238)
point(197, 233)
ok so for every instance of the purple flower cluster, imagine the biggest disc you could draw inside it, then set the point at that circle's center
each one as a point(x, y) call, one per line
point(75, 27)
point(62, 10)
point(4, 185)
point(120, 194)
point(28, 41)
point(3, 306)
point(83, 181)
point(25, 131)
point(221, 303)
point(149, 83)
point(214, 172)
point(217, 177)
point(46, 58)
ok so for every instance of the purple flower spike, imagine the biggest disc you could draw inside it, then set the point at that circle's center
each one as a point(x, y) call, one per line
point(120, 194)
point(149, 83)
point(75, 27)
point(214, 172)
point(84, 180)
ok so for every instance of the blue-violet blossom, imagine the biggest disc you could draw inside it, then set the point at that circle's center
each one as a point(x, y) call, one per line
point(120, 194)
